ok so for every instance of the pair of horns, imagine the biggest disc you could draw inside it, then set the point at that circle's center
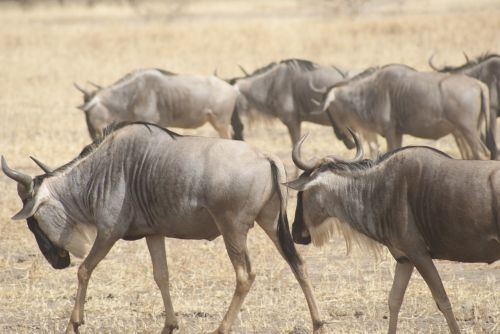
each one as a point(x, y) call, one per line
point(435, 68)
point(315, 162)
point(24, 179)
point(86, 93)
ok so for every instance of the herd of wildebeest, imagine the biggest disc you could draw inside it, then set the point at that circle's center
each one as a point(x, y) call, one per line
point(138, 179)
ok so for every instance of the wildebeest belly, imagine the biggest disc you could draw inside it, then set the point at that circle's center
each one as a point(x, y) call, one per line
point(424, 125)
point(197, 225)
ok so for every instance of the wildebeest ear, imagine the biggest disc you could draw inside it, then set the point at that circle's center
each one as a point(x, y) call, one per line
point(31, 205)
point(304, 182)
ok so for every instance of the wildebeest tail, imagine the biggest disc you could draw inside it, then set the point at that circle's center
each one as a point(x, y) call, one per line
point(236, 123)
point(285, 238)
point(490, 122)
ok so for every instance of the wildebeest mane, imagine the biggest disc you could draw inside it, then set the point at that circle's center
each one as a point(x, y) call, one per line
point(301, 64)
point(369, 71)
point(108, 131)
point(365, 164)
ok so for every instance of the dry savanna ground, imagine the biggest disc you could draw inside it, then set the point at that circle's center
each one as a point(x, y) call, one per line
point(43, 50)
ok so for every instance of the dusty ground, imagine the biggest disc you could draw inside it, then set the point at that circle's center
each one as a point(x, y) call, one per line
point(44, 50)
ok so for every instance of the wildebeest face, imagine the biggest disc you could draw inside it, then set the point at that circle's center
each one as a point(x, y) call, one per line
point(34, 196)
point(57, 257)
point(313, 206)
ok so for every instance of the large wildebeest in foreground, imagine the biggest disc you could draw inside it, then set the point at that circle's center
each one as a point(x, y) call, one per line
point(145, 181)
point(163, 98)
point(417, 201)
point(485, 68)
point(287, 90)
point(395, 99)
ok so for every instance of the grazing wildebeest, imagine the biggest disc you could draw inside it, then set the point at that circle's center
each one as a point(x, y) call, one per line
point(395, 99)
point(287, 90)
point(141, 180)
point(485, 68)
point(416, 201)
point(163, 98)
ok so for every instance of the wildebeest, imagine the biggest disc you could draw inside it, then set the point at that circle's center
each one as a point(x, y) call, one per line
point(395, 99)
point(141, 180)
point(417, 201)
point(163, 98)
point(485, 68)
point(286, 90)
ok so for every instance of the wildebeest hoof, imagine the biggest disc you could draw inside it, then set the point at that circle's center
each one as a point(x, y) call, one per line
point(169, 329)
point(73, 328)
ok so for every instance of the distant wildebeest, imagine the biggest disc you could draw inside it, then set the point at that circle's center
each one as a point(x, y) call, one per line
point(395, 99)
point(486, 69)
point(163, 98)
point(287, 90)
point(415, 200)
point(143, 181)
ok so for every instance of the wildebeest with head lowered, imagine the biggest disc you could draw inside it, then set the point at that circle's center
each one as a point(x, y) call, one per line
point(417, 201)
point(145, 181)
point(287, 90)
point(485, 68)
point(163, 98)
point(395, 99)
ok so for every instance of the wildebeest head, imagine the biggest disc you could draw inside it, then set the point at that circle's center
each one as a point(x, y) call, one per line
point(315, 201)
point(35, 198)
point(96, 114)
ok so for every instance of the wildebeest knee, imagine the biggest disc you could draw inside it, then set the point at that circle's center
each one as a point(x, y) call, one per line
point(244, 281)
point(83, 273)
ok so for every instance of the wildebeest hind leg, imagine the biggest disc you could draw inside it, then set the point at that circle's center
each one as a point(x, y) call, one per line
point(222, 128)
point(426, 268)
point(269, 225)
point(235, 239)
point(98, 251)
point(156, 246)
point(401, 279)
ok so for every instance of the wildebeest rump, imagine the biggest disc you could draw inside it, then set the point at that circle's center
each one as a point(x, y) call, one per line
point(485, 68)
point(417, 201)
point(395, 99)
point(163, 98)
point(141, 180)
point(285, 90)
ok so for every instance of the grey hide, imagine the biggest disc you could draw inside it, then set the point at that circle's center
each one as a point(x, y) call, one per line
point(287, 90)
point(163, 98)
point(417, 201)
point(486, 69)
point(141, 180)
point(395, 99)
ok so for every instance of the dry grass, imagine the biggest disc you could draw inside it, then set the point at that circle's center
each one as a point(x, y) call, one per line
point(43, 51)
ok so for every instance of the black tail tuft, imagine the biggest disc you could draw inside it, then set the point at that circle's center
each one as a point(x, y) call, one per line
point(284, 236)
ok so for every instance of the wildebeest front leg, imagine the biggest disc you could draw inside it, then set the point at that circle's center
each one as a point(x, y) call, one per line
point(401, 279)
point(426, 268)
point(156, 246)
point(98, 251)
point(394, 140)
point(236, 245)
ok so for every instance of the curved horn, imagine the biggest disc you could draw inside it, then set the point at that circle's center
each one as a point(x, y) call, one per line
point(431, 65)
point(81, 89)
point(42, 166)
point(315, 89)
point(359, 151)
point(95, 85)
point(23, 179)
point(297, 160)
point(466, 57)
point(343, 74)
point(243, 70)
